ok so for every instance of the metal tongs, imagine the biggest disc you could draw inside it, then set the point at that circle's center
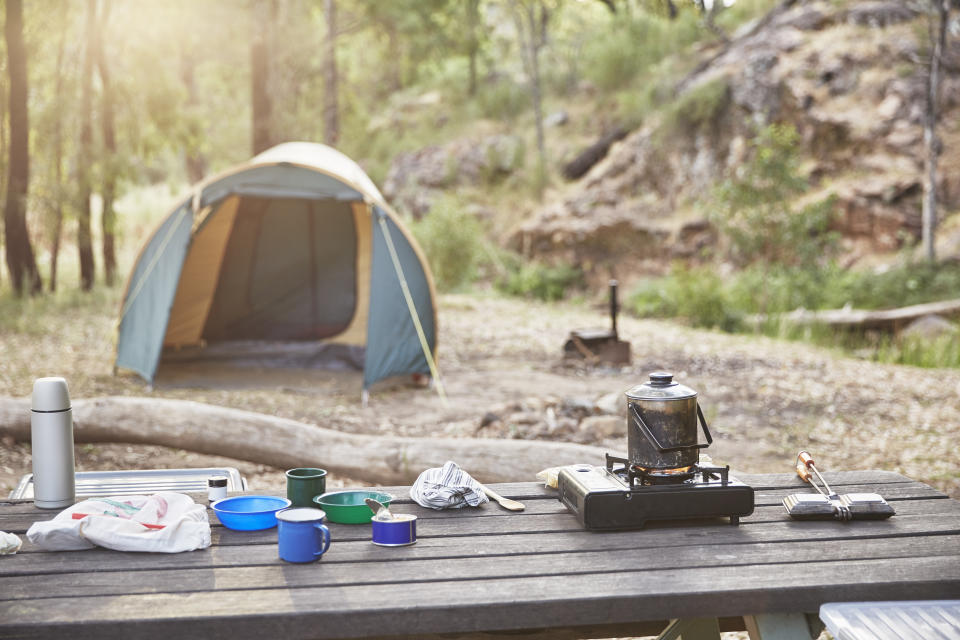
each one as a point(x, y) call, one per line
point(826, 504)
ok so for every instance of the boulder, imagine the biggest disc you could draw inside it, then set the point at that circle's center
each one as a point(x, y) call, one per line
point(929, 327)
point(612, 404)
point(880, 14)
point(604, 427)
point(556, 119)
point(416, 178)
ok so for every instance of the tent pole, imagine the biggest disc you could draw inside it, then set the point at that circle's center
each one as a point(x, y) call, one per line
point(381, 218)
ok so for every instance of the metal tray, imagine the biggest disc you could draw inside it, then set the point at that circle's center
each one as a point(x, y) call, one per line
point(140, 481)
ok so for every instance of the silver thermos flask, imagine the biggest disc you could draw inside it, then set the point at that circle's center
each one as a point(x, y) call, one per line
point(51, 432)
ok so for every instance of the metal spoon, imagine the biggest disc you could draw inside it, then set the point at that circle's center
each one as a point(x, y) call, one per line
point(506, 503)
point(380, 510)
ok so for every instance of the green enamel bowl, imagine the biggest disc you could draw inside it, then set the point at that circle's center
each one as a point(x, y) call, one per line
point(348, 507)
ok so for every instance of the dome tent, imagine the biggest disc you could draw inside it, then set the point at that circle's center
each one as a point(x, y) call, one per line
point(296, 245)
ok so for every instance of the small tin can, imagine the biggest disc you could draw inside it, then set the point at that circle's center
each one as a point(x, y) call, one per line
point(399, 531)
point(216, 488)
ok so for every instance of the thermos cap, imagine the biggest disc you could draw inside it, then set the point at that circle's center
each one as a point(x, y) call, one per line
point(50, 394)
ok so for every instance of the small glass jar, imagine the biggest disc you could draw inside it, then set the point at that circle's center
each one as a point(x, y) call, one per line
point(216, 488)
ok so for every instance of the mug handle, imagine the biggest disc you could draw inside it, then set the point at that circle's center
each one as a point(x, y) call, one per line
point(326, 539)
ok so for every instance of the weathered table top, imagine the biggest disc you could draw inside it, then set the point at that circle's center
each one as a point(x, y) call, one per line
point(487, 570)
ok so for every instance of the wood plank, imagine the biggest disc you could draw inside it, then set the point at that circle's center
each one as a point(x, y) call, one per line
point(335, 570)
point(735, 539)
point(484, 605)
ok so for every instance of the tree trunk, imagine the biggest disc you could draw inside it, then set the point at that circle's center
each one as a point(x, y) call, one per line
point(671, 9)
point(283, 443)
point(20, 259)
point(930, 141)
point(709, 21)
point(531, 26)
point(108, 219)
point(58, 163)
point(260, 77)
point(4, 159)
point(331, 113)
point(473, 43)
point(84, 236)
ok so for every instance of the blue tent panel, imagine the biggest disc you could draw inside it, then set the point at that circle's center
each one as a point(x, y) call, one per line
point(393, 347)
point(279, 181)
point(143, 321)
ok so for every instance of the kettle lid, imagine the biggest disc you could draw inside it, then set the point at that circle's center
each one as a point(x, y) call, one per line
point(661, 386)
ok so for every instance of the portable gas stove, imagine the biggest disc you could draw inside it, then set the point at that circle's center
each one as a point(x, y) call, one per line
point(627, 496)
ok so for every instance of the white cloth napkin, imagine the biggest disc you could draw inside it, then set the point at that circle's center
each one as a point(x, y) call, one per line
point(447, 487)
point(177, 524)
point(9, 543)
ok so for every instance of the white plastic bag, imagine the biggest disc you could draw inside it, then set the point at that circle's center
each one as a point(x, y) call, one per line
point(165, 522)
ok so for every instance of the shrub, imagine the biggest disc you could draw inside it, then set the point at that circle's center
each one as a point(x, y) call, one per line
point(942, 351)
point(696, 294)
point(502, 99)
point(453, 241)
point(633, 44)
point(537, 280)
point(699, 108)
point(905, 284)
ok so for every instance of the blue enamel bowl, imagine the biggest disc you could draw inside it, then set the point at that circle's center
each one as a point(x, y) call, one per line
point(249, 513)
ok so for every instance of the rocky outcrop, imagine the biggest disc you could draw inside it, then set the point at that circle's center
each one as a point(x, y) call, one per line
point(416, 178)
point(850, 78)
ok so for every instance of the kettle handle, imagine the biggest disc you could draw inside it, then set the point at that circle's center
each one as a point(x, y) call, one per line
point(653, 439)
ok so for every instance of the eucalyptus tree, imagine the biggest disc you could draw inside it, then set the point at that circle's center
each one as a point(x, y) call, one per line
point(938, 20)
point(19, 250)
point(86, 154)
point(108, 217)
point(531, 19)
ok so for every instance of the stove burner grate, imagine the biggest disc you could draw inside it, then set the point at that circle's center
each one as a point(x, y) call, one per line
point(636, 476)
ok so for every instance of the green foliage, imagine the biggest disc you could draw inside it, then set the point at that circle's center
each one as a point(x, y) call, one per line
point(453, 241)
point(904, 284)
point(942, 351)
point(697, 109)
point(755, 208)
point(696, 294)
point(633, 43)
point(536, 280)
point(702, 298)
point(502, 99)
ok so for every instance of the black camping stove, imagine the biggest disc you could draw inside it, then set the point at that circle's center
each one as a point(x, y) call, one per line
point(626, 497)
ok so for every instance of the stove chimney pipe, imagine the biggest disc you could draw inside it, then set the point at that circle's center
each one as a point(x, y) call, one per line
point(614, 308)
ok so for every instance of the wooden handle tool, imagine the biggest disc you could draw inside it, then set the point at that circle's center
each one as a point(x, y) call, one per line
point(506, 503)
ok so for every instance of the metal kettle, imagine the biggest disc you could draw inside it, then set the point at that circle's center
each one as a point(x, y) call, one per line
point(662, 420)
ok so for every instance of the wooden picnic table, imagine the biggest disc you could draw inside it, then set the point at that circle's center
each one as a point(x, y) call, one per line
point(486, 570)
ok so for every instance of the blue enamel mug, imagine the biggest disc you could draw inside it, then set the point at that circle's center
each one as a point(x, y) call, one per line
point(301, 534)
point(398, 531)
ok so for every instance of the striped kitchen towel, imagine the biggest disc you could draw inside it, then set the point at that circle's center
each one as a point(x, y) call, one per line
point(447, 487)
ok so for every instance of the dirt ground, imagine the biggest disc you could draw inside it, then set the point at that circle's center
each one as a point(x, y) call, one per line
point(503, 375)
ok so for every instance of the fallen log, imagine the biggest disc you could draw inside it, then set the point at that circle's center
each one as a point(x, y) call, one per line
point(283, 443)
point(586, 159)
point(892, 320)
